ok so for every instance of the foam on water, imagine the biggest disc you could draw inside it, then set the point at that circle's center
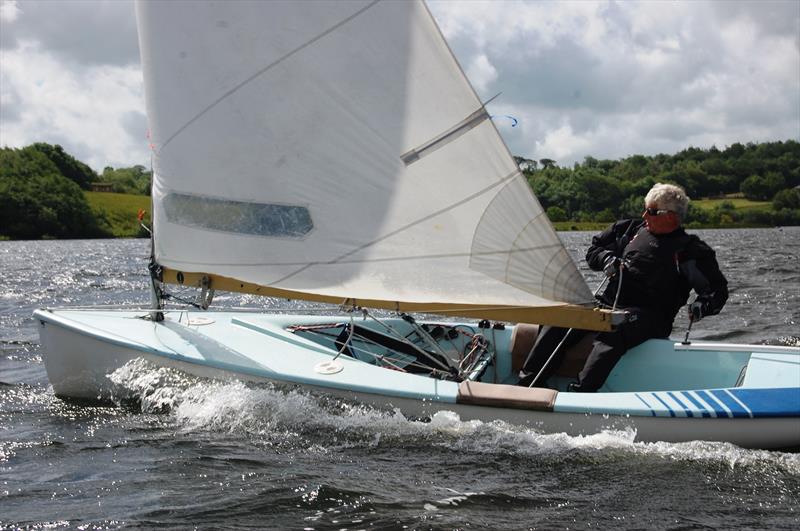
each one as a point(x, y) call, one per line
point(322, 423)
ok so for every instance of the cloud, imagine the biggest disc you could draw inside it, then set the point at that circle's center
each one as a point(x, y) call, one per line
point(78, 32)
point(481, 72)
point(9, 10)
point(600, 78)
point(86, 110)
point(609, 79)
point(69, 75)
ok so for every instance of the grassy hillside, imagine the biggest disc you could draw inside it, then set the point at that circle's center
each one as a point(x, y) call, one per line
point(739, 203)
point(731, 212)
point(581, 225)
point(715, 213)
point(117, 212)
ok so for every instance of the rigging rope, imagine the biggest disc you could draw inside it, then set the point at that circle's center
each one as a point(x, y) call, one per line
point(412, 345)
point(316, 329)
point(619, 287)
point(349, 338)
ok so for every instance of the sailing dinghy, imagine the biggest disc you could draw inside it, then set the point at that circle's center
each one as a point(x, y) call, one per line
point(335, 152)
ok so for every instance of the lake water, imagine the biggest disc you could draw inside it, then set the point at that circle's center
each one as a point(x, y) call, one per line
point(202, 454)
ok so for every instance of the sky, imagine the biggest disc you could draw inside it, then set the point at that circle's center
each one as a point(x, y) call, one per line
point(606, 79)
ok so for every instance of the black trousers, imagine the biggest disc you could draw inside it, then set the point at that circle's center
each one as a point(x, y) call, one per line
point(607, 348)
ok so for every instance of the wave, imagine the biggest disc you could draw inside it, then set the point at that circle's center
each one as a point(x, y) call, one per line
point(303, 421)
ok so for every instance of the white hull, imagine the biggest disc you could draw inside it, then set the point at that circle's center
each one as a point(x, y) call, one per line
point(78, 361)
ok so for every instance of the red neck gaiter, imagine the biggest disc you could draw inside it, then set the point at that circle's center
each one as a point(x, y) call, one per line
point(662, 224)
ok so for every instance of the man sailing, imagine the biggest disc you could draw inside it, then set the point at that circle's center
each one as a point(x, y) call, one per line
point(652, 265)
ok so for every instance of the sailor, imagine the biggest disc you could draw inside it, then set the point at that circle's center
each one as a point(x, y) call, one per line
point(652, 264)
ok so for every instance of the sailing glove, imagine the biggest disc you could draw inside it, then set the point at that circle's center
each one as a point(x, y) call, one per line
point(701, 307)
point(611, 265)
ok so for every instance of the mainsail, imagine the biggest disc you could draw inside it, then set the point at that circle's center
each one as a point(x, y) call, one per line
point(336, 151)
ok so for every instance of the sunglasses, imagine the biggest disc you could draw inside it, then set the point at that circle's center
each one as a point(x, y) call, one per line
point(655, 211)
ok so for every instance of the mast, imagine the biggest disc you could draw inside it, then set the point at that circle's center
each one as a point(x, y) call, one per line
point(156, 294)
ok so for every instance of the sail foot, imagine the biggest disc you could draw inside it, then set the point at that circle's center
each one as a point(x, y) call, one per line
point(564, 315)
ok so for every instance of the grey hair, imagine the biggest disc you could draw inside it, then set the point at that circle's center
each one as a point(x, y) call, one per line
point(668, 197)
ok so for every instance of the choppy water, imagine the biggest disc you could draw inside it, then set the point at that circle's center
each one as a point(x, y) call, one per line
point(201, 454)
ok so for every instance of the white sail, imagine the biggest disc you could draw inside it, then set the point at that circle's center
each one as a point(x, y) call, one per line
point(337, 149)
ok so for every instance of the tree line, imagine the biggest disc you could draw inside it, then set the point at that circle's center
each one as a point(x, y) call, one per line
point(41, 187)
point(605, 190)
point(42, 193)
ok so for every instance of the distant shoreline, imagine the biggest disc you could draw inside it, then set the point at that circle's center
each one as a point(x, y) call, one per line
point(577, 226)
point(48, 194)
point(119, 213)
point(122, 209)
point(561, 226)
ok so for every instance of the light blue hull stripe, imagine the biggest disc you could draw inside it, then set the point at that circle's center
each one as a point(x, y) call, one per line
point(698, 406)
point(652, 412)
point(683, 406)
point(671, 412)
point(718, 408)
point(736, 409)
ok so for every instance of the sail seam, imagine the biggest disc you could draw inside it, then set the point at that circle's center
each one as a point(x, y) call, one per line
point(543, 288)
point(501, 269)
point(265, 69)
point(387, 259)
point(514, 243)
point(405, 227)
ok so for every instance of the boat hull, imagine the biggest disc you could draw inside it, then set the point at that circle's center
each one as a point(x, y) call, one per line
point(79, 360)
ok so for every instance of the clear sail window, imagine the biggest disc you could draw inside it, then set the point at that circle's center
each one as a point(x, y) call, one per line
point(258, 219)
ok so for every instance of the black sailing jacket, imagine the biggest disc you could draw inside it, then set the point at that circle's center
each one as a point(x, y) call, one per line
point(659, 269)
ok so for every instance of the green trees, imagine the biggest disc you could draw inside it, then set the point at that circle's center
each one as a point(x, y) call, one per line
point(763, 188)
point(556, 213)
point(38, 200)
point(67, 165)
point(787, 199)
point(41, 187)
point(133, 180)
point(596, 190)
point(42, 193)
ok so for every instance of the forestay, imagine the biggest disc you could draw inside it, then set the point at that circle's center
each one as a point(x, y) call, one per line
point(336, 149)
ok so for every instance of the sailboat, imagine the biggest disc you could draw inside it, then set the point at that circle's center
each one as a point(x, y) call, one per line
point(335, 152)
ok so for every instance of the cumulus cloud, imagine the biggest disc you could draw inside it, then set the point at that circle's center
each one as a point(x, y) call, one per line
point(481, 72)
point(76, 32)
point(70, 75)
point(601, 78)
point(610, 79)
point(8, 11)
